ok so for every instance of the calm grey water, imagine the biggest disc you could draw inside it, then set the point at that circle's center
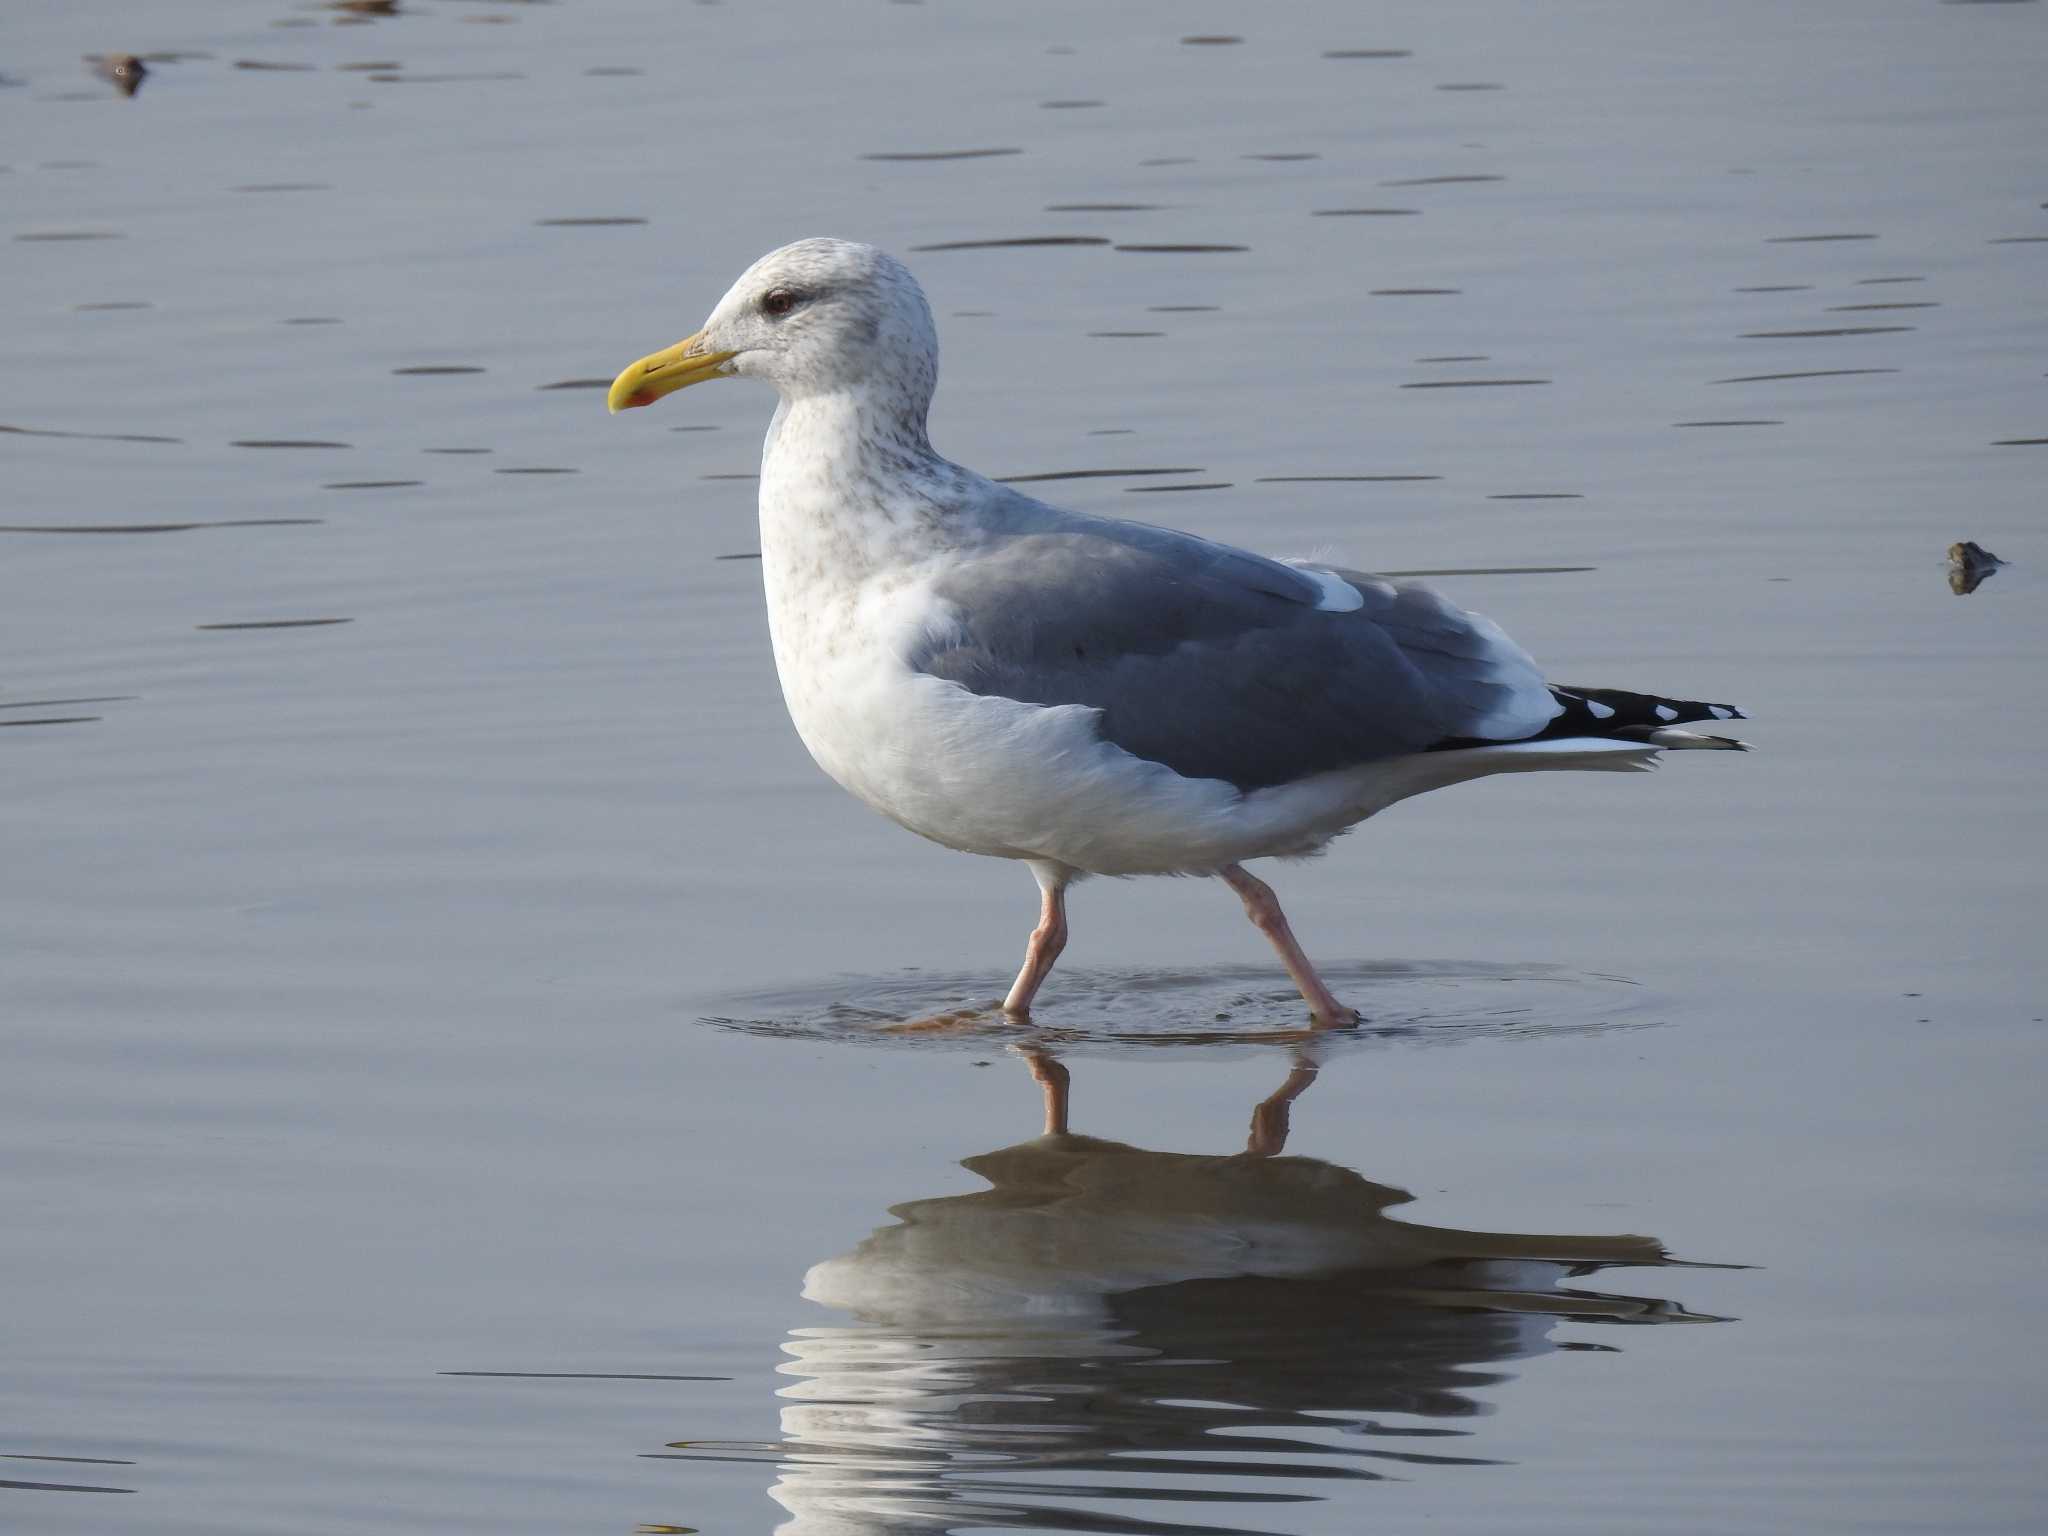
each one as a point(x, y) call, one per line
point(448, 1079)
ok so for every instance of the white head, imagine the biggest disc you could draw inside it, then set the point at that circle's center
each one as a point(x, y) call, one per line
point(817, 317)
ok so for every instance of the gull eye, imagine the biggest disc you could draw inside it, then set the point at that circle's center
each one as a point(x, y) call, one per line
point(777, 302)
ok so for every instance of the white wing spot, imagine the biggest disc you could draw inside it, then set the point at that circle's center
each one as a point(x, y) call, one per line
point(1666, 712)
point(1600, 711)
point(1722, 711)
point(1339, 596)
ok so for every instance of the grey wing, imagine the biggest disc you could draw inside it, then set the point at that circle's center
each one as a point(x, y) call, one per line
point(1222, 664)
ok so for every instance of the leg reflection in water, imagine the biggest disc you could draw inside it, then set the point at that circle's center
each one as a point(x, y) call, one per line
point(1110, 1338)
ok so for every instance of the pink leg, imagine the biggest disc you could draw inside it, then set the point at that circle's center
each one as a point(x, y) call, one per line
point(1263, 908)
point(1047, 939)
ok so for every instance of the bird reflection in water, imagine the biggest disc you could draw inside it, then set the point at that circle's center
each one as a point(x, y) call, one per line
point(1106, 1338)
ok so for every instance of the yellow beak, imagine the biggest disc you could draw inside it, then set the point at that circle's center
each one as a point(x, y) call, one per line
point(665, 372)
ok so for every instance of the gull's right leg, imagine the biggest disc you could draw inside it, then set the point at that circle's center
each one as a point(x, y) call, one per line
point(1263, 908)
point(1047, 939)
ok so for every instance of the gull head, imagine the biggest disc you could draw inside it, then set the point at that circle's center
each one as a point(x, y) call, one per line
point(814, 318)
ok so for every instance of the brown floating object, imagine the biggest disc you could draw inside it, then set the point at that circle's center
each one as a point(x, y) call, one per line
point(1969, 564)
point(123, 71)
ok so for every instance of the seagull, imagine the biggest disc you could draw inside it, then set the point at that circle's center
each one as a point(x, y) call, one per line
point(1086, 695)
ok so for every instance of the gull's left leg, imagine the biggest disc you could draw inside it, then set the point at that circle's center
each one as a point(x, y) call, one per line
point(1047, 939)
point(1263, 908)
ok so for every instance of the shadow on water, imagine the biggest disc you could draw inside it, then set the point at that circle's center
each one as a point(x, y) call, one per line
point(1107, 1338)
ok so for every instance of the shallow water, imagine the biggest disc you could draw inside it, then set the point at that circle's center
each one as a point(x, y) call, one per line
point(451, 1076)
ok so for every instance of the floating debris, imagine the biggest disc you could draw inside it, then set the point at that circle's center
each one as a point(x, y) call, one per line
point(941, 154)
point(1095, 474)
point(1969, 565)
point(1016, 240)
point(123, 71)
point(274, 624)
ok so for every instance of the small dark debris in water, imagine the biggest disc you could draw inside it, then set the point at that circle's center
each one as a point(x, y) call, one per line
point(435, 370)
point(1364, 213)
point(600, 222)
point(1182, 309)
point(1458, 357)
point(2019, 240)
point(1018, 240)
point(98, 698)
point(273, 65)
point(2018, 442)
point(577, 384)
point(313, 320)
point(1477, 85)
point(1287, 155)
point(230, 522)
point(287, 186)
point(1813, 239)
point(940, 154)
point(99, 437)
point(1069, 106)
point(1211, 40)
point(536, 469)
point(1536, 496)
point(1095, 474)
point(1125, 335)
point(1368, 53)
point(1839, 330)
point(1169, 160)
point(1744, 421)
point(459, 450)
point(285, 442)
point(1411, 293)
point(1871, 282)
point(1113, 432)
point(1777, 288)
point(1969, 564)
point(365, 7)
point(1190, 250)
point(72, 234)
point(1843, 309)
point(274, 624)
point(1471, 383)
point(9, 1482)
point(1198, 485)
point(123, 71)
point(751, 554)
point(369, 485)
point(1103, 207)
point(1341, 479)
point(365, 66)
point(1440, 181)
point(698, 427)
point(1811, 373)
point(735, 475)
